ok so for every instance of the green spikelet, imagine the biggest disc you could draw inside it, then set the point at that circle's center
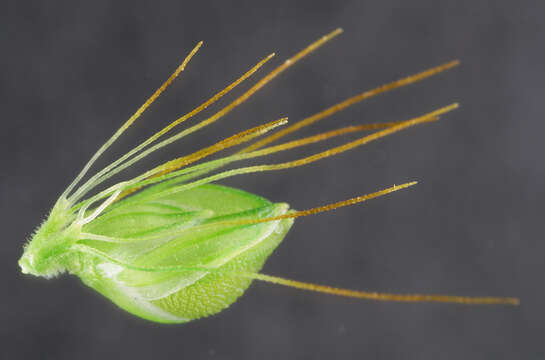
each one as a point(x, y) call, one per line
point(169, 245)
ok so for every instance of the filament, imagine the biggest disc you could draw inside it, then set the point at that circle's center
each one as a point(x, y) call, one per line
point(231, 141)
point(169, 169)
point(464, 300)
point(248, 135)
point(351, 101)
point(343, 105)
point(234, 140)
point(132, 119)
point(309, 159)
point(206, 167)
point(266, 79)
point(99, 177)
point(319, 209)
point(290, 215)
point(135, 184)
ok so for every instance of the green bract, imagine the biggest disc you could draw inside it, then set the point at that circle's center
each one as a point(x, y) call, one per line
point(162, 233)
point(169, 245)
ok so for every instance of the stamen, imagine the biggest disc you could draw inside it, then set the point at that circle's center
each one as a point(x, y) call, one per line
point(351, 101)
point(297, 214)
point(98, 178)
point(234, 140)
point(312, 287)
point(214, 98)
point(266, 79)
point(464, 300)
point(175, 164)
point(162, 88)
point(324, 136)
point(206, 167)
point(316, 210)
point(133, 118)
point(201, 169)
point(306, 160)
point(364, 140)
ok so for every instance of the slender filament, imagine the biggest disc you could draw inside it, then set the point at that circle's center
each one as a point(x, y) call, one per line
point(169, 169)
point(464, 300)
point(351, 101)
point(265, 80)
point(302, 161)
point(183, 161)
point(226, 143)
point(316, 210)
point(141, 180)
point(111, 169)
point(290, 215)
point(204, 168)
point(131, 120)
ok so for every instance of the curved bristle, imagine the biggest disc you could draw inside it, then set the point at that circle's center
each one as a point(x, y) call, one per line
point(118, 165)
point(131, 120)
point(162, 88)
point(231, 141)
point(319, 209)
point(108, 172)
point(351, 101)
point(183, 161)
point(463, 300)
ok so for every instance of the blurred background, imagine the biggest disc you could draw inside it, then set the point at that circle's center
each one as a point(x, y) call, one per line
point(72, 71)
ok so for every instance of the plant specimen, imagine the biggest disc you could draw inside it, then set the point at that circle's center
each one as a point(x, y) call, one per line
point(170, 245)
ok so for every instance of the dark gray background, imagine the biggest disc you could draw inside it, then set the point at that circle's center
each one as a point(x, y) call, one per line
point(73, 71)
